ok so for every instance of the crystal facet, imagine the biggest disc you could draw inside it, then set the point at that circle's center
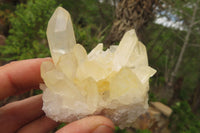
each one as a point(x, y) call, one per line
point(113, 83)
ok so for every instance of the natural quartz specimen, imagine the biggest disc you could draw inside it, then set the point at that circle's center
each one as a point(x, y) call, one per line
point(113, 83)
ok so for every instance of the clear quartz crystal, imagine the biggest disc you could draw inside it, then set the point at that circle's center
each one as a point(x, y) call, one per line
point(113, 83)
point(60, 33)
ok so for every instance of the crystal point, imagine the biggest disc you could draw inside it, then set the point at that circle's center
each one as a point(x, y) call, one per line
point(125, 49)
point(60, 34)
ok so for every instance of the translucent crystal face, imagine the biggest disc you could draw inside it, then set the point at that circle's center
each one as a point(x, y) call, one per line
point(113, 83)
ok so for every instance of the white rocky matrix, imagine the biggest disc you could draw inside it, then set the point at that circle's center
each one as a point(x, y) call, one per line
point(113, 83)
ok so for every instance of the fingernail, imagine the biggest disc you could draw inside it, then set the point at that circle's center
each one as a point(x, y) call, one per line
point(103, 129)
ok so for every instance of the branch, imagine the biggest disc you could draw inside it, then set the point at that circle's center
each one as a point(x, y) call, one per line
point(194, 45)
point(179, 36)
point(196, 23)
point(156, 39)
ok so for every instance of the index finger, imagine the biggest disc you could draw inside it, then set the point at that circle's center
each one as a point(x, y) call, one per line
point(20, 76)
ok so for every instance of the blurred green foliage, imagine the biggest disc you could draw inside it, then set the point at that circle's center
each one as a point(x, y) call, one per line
point(118, 130)
point(183, 119)
point(60, 126)
point(143, 131)
point(28, 31)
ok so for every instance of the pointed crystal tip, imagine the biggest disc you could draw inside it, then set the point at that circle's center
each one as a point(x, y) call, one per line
point(60, 33)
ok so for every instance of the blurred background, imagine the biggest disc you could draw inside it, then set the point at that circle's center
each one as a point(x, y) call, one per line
point(170, 29)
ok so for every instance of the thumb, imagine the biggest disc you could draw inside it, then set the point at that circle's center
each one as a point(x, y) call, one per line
point(92, 124)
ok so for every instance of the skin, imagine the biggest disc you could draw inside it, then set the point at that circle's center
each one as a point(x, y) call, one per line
point(26, 116)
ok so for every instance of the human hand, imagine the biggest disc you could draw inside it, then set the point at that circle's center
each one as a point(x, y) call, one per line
point(26, 116)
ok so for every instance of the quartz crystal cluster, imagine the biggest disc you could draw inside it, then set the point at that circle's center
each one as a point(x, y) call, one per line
point(113, 83)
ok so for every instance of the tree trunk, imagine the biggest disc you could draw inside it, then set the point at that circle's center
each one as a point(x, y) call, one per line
point(185, 44)
point(131, 14)
point(170, 84)
point(196, 99)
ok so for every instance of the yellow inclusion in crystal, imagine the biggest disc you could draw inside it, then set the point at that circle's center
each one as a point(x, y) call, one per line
point(103, 86)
